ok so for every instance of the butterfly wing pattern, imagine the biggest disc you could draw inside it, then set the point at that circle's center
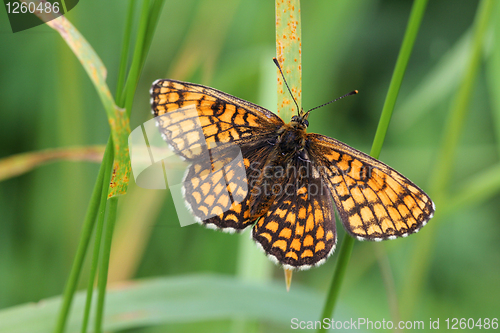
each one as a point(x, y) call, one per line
point(374, 201)
point(298, 229)
point(185, 108)
point(203, 125)
point(242, 175)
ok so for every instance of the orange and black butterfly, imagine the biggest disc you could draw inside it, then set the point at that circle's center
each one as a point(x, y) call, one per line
point(288, 180)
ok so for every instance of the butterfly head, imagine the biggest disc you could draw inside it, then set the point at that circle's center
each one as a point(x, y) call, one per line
point(300, 121)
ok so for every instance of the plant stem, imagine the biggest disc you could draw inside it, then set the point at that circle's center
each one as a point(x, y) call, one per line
point(439, 180)
point(416, 15)
point(147, 25)
point(97, 245)
point(412, 28)
point(103, 270)
point(136, 67)
point(122, 70)
point(88, 226)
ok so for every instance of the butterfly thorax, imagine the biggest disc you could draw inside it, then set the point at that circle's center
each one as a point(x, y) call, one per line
point(292, 136)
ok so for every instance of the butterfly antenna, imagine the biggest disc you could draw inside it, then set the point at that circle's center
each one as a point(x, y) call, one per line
point(354, 92)
point(283, 76)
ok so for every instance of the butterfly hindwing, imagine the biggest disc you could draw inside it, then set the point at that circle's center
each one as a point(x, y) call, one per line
point(374, 201)
point(218, 188)
point(298, 230)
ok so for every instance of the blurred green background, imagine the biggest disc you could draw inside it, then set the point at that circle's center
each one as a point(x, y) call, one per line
point(48, 101)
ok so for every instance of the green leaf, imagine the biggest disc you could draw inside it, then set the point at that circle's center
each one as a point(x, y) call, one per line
point(173, 300)
point(288, 53)
point(117, 117)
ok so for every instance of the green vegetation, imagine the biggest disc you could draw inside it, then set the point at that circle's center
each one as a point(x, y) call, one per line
point(443, 135)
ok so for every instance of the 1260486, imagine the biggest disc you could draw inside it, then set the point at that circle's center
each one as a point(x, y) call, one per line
point(32, 7)
point(471, 323)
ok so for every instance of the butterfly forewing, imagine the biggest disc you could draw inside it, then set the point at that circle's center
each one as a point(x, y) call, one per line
point(374, 201)
point(186, 110)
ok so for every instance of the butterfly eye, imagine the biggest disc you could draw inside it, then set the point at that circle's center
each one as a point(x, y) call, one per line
point(306, 122)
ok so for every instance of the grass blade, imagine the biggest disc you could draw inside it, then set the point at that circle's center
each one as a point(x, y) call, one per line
point(117, 118)
point(83, 244)
point(19, 164)
point(288, 53)
point(440, 178)
point(417, 12)
point(125, 48)
point(103, 270)
point(97, 245)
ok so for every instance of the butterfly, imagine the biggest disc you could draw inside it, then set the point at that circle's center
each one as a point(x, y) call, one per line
point(248, 168)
